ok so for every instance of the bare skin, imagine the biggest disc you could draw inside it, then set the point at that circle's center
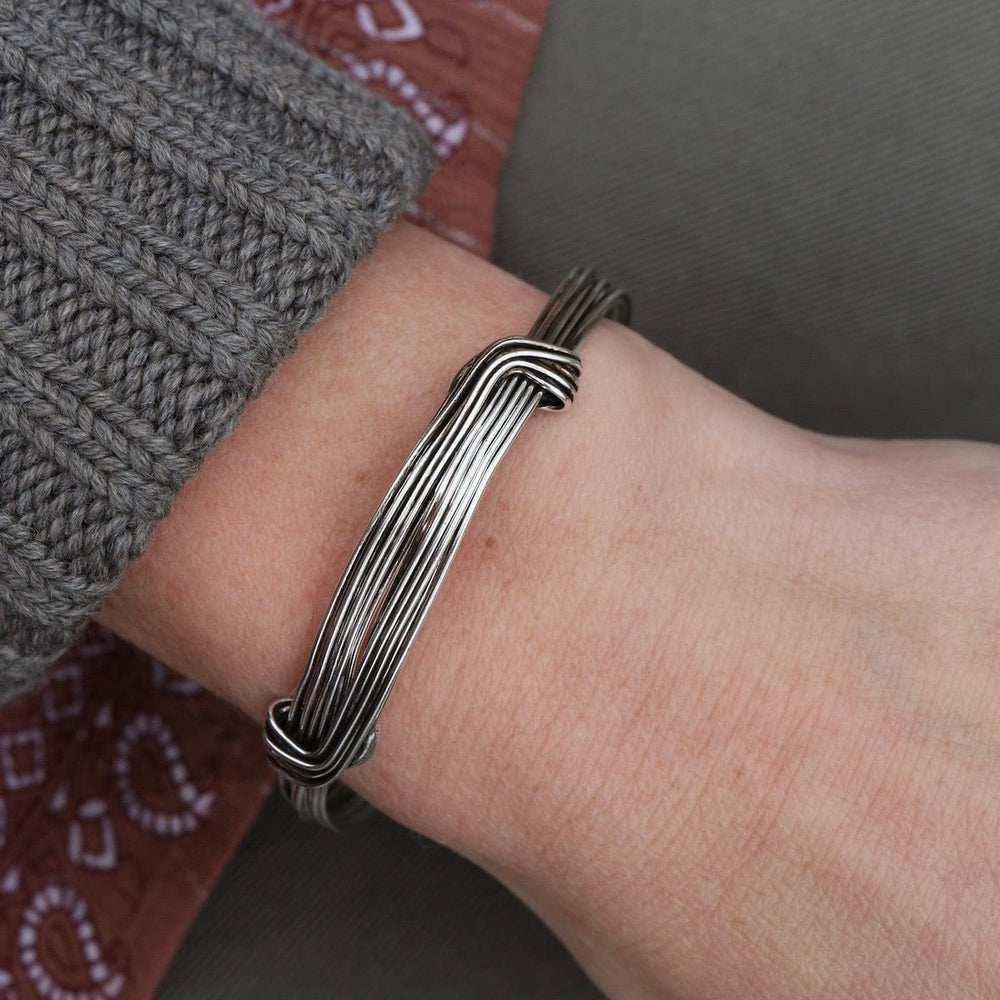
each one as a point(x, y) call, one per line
point(719, 698)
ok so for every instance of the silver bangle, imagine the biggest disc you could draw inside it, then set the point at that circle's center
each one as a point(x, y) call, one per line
point(329, 724)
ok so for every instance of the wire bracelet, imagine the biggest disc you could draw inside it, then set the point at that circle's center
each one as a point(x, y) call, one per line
point(329, 723)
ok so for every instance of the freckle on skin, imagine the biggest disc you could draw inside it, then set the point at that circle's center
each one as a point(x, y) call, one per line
point(490, 542)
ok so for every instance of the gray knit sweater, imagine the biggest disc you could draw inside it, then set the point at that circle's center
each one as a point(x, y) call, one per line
point(181, 190)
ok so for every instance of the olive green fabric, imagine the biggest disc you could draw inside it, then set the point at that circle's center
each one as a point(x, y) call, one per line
point(804, 199)
point(380, 914)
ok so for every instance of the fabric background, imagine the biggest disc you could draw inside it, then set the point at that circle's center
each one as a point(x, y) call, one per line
point(804, 200)
point(458, 68)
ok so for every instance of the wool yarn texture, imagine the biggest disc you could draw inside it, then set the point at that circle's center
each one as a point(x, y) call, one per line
point(181, 191)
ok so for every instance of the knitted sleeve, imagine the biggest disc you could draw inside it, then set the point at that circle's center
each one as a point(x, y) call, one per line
point(181, 190)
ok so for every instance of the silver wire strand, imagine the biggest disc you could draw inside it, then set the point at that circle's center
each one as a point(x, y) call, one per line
point(329, 724)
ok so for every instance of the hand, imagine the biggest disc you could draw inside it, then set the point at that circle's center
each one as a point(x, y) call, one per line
point(719, 698)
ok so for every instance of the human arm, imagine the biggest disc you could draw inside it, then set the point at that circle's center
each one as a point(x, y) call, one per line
point(715, 696)
point(181, 190)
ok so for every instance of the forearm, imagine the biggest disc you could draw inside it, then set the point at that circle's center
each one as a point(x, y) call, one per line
point(651, 688)
point(236, 579)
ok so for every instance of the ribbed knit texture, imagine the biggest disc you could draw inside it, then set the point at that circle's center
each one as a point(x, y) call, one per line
point(181, 190)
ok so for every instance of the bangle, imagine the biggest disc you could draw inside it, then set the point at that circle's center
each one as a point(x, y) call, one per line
point(329, 723)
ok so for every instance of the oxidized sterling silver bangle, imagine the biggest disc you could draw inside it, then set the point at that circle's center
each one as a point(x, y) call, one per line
point(329, 724)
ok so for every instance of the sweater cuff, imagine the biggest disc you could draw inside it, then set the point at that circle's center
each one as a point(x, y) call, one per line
point(181, 191)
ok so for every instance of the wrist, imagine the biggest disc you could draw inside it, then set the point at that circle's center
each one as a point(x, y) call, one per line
point(235, 580)
point(593, 519)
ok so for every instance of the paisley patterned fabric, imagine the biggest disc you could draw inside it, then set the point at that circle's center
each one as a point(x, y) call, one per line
point(458, 68)
point(124, 788)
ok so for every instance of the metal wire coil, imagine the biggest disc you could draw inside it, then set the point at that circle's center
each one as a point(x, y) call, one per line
point(329, 724)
